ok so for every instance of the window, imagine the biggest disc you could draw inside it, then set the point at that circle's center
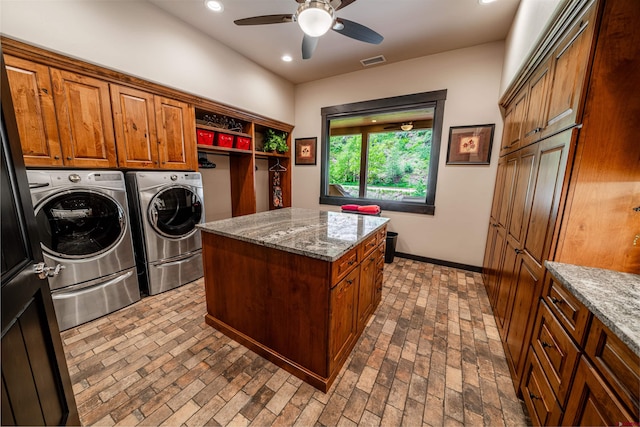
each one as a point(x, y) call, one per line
point(383, 152)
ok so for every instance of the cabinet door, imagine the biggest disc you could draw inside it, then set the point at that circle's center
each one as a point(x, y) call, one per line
point(592, 403)
point(32, 95)
point(547, 188)
point(527, 289)
point(134, 121)
point(569, 65)
point(83, 108)
point(538, 94)
point(366, 291)
point(521, 194)
point(513, 121)
point(176, 126)
point(342, 318)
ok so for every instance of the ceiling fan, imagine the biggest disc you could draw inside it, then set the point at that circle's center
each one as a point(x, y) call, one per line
point(315, 18)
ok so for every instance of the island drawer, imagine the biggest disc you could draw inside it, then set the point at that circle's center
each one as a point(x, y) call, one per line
point(382, 234)
point(342, 267)
point(571, 313)
point(369, 244)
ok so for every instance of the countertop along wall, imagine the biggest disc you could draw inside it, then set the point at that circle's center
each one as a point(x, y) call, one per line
point(458, 230)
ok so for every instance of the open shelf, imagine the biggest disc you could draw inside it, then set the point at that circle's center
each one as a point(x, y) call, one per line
point(215, 149)
point(222, 130)
point(265, 155)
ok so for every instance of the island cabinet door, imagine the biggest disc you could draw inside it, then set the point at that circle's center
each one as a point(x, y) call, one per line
point(343, 320)
point(366, 290)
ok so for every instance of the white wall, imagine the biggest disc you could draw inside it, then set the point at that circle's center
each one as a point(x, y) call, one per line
point(136, 37)
point(457, 232)
point(531, 19)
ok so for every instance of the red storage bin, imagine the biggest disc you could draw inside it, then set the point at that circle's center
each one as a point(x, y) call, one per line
point(205, 137)
point(225, 140)
point(243, 143)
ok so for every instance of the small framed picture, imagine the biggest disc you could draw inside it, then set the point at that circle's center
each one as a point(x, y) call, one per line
point(470, 145)
point(306, 149)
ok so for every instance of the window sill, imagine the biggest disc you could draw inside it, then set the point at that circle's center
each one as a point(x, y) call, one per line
point(385, 205)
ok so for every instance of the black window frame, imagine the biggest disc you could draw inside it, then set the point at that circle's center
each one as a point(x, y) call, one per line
point(435, 99)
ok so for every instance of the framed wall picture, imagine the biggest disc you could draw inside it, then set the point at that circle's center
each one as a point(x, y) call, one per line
point(306, 149)
point(470, 145)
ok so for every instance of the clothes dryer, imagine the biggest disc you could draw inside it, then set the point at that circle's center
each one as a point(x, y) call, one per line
point(166, 207)
point(83, 225)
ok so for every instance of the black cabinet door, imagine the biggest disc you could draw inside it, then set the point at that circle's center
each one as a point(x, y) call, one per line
point(36, 388)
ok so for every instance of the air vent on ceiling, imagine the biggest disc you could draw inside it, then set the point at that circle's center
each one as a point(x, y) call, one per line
point(373, 61)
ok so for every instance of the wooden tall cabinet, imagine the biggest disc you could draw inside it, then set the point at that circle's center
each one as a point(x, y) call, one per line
point(568, 180)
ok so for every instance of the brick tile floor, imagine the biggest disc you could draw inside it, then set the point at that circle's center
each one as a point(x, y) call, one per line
point(430, 356)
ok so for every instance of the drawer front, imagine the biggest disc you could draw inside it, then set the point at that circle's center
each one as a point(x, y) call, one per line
point(568, 310)
point(537, 394)
point(343, 266)
point(616, 362)
point(369, 244)
point(557, 353)
point(382, 234)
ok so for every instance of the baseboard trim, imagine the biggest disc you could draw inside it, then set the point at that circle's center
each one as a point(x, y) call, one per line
point(467, 267)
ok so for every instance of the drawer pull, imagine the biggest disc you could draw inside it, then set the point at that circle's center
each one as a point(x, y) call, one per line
point(518, 251)
point(351, 262)
point(547, 345)
point(533, 396)
point(555, 300)
point(349, 282)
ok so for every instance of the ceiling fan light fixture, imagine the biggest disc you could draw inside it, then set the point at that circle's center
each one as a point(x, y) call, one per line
point(406, 126)
point(214, 5)
point(315, 17)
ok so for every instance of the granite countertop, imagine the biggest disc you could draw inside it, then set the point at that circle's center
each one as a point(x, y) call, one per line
point(613, 297)
point(317, 234)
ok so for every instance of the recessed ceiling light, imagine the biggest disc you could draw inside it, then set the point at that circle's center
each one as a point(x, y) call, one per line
point(214, 5)
point(373, 121)
point(287, 58)
point(485, 1)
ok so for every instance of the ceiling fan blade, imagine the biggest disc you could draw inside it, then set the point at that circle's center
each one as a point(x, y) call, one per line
point(358, 32)
point(265, 19)
point(308, 46)
point(344, 4)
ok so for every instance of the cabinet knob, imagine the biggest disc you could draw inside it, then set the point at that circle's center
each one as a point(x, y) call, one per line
point(533, 396)
point(349, 282)
point(518, 251)
point(56, 157)
point(556, 300)
point(69, 158)
point(547, 345)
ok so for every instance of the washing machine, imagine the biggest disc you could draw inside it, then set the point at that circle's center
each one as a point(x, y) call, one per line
point(83, 226)
point(166, 206)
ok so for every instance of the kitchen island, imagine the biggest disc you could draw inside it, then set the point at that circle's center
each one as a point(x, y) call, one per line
point(296, 286)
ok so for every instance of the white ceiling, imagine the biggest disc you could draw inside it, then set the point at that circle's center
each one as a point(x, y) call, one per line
point(411, 29)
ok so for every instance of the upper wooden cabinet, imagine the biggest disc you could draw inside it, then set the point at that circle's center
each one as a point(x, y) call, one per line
point(569, 68)
point(135, 126)
point(176, 126)
point(548, 100)
point(153, 132)
point(32, 95)
point(83, 108)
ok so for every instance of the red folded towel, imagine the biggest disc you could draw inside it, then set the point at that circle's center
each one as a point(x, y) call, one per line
point(369, 209)
point(349, 207)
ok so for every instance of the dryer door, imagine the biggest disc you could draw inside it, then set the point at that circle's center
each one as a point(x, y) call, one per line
point(175, 211)
point(79, 224)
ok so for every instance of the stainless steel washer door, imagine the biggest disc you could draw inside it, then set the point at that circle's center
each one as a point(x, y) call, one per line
point(79, 224)
point(175, 211)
